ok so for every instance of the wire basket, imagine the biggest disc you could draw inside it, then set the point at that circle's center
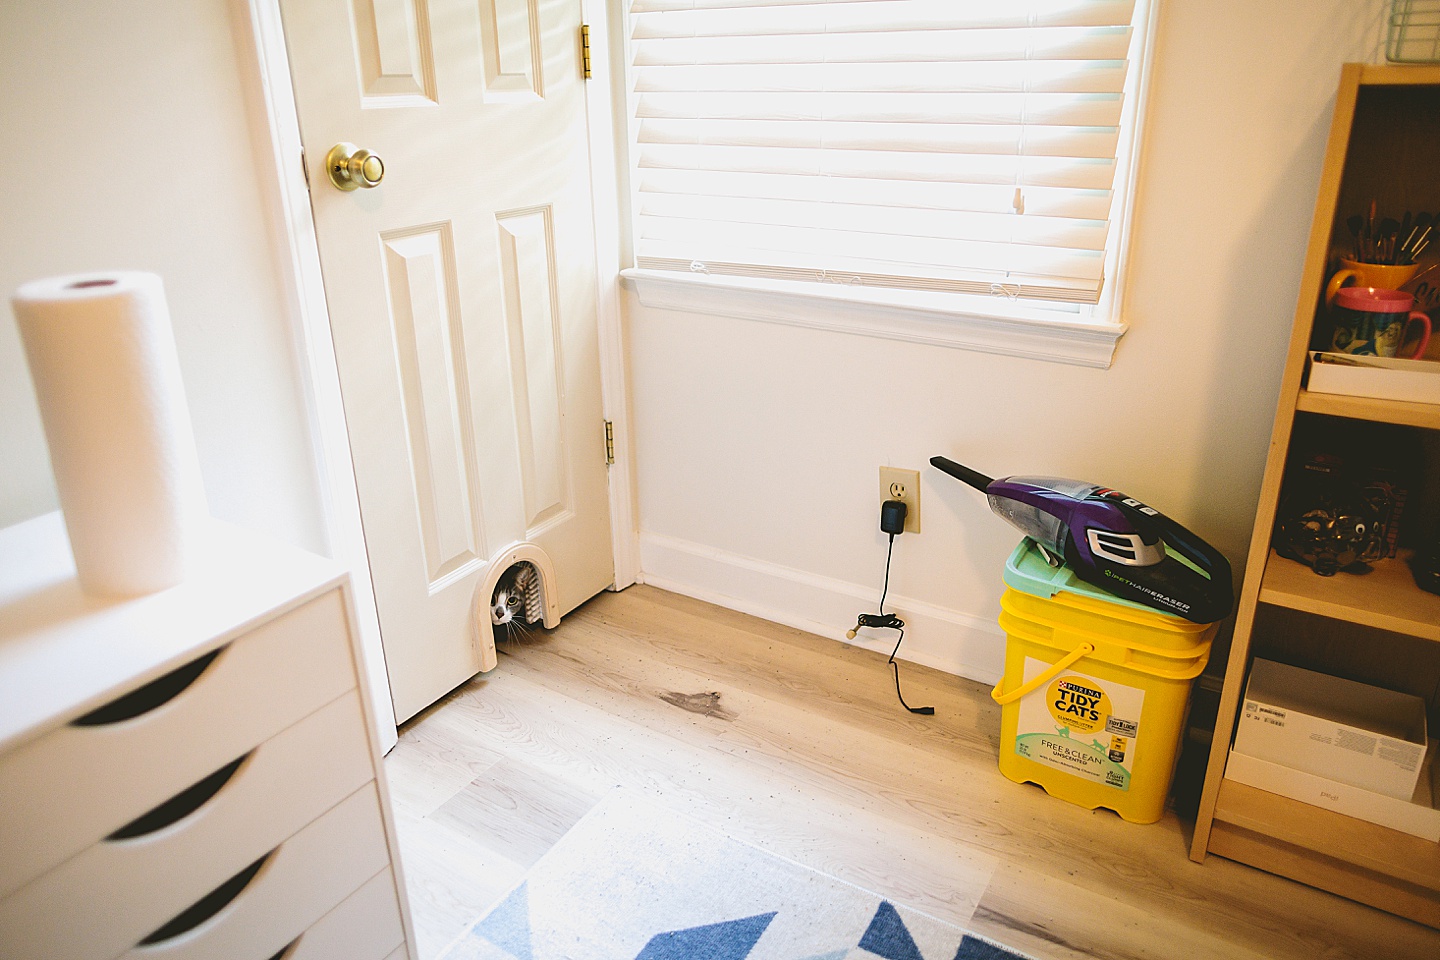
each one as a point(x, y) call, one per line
point(1414, 32)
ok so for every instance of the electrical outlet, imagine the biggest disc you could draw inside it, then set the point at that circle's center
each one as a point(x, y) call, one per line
point(898, 484)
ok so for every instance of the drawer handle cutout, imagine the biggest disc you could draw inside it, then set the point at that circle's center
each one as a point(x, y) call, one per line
point(154, 694)
point(207, 906)
point(288, 950)
point(181, 805)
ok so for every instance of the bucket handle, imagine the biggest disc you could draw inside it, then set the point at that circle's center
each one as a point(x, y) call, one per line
point(1027, 688)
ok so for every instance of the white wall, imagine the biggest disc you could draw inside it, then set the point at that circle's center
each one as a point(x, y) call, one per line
point(757, 445)
point(125, 145)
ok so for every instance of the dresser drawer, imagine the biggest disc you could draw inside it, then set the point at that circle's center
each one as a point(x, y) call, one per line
point(66, 790)
point(302, 883)
point(366, 926)
point(111, 895)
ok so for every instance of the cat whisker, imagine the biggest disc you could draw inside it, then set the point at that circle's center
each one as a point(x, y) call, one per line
point(512, 633)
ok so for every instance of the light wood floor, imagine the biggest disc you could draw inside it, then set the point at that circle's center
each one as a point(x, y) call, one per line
point(803, 750)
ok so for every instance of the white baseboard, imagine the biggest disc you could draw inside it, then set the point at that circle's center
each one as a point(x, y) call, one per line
point(948, 640)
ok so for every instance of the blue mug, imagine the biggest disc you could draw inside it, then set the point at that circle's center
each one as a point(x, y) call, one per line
point(1372, 321)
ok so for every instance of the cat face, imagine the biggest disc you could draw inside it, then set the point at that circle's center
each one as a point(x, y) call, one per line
point(504, 606)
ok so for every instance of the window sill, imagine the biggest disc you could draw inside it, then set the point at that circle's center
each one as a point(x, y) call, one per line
point(984, 326)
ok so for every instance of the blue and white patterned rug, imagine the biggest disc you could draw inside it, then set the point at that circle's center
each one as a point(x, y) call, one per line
point(635, 881)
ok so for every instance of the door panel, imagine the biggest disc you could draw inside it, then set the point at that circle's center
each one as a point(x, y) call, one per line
point(462, 302)
point(527, 256)
point(392, 51)
point(429, 343)
point(510, 32)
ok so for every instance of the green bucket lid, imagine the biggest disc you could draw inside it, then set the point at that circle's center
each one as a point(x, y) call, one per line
point(1027, 571)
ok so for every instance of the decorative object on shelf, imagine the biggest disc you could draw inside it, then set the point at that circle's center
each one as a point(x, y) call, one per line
point(1414, 34)
point(1328, 529)
point(1384, 255)
point(1426, 564)
point(1387, 494)
point(107, 377)
point(1388, 243)
point(1370, 321)
point(1423, 288)
point(1342, 479)
point(1388, 276)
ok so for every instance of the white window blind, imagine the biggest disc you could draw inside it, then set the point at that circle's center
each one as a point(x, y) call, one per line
point(944, 145)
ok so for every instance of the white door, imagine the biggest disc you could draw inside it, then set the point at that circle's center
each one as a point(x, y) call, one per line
point(462, 302)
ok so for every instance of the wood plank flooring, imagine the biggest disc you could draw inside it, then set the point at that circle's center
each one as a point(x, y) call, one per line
point(796, 744)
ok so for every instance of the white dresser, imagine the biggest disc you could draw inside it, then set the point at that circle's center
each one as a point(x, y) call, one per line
point(189, 774)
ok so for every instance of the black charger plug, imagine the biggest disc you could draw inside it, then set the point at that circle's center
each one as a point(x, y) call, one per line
point(892, 521)
point(892, 517)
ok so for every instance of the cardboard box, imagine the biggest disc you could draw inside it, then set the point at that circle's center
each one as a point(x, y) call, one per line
point(1416, 816)
point(1416, 381)
point(1333, 728)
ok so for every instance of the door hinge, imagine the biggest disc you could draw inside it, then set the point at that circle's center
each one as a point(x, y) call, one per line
point(609, 443)
point(585, 50)
point(305, 168)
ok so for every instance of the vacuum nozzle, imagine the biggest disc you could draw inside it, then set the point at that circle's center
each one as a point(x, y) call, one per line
point(961, 472)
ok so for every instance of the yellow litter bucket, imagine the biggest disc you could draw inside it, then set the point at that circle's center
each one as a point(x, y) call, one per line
point(1095, 691)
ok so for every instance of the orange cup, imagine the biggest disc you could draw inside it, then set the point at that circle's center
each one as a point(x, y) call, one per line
point(1384, 276)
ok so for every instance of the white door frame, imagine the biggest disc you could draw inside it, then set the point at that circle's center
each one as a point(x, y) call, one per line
point(274, 123)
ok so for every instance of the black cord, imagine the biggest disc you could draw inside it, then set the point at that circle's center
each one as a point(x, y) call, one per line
point(892, 622)
point(889, 552)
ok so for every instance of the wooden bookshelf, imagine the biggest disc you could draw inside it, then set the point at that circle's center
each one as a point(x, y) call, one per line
point(1426, 415)
point(1384, 598)
point(1383, 140)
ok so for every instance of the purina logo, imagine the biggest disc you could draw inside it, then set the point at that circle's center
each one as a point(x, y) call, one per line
point(1076, 688)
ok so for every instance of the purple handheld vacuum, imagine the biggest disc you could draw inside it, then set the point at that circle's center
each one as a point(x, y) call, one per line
point(1112, 541)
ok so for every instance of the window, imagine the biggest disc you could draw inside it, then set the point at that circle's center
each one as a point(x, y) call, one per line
point(977, 152)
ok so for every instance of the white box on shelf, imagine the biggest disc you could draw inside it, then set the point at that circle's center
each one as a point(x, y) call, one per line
point(1415, 381)
point(1334, 728)
point(1416, 816)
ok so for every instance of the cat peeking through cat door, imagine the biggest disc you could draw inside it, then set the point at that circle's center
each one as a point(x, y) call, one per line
point(516, 603)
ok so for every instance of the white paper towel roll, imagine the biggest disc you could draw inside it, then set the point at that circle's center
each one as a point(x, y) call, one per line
point(102, 354)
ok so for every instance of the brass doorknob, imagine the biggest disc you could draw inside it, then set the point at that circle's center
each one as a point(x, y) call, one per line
point(350, 167)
